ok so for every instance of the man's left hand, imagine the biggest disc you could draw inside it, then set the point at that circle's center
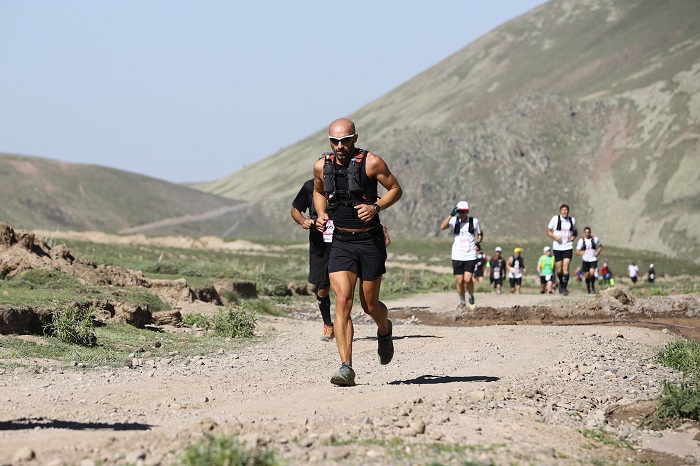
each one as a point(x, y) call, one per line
point(365, 212)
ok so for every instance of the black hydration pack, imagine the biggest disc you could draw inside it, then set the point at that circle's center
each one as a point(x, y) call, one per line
point(568, 219)
point(583, 243)
point(458, 225)
point(356, 193)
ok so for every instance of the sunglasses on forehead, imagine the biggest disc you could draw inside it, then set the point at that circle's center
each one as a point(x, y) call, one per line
point(345, 140)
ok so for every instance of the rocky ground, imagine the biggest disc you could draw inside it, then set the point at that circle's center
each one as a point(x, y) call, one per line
point(460, 393)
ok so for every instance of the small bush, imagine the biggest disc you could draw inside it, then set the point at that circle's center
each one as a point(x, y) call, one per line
point(73, 325)
point(198, 319)
point(219, 451)
point(679, 400)
point(234, 323)
point(682, 355)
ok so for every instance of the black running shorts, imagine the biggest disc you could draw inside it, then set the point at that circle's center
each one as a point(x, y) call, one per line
point(586, 266)
point(318, 268)
point(561, 255)
point(461, 267)
point(365, 255)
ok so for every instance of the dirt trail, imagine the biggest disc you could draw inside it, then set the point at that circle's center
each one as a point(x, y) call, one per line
point(501, 394)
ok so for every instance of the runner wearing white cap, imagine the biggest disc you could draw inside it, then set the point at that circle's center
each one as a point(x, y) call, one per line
point(545, 269)
point(466, 232)
point(498, 269)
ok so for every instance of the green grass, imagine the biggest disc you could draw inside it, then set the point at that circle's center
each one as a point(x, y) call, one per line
point(606, 438)
point(682, 355)
point(116, 343)
point(226, 451)
point(679, 401)
point(73, 325)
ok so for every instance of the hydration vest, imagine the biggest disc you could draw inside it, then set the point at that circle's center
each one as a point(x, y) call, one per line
point(583, 243)
point(568, 219)
point(361, 189)
point(458, 225)
point(519, 260)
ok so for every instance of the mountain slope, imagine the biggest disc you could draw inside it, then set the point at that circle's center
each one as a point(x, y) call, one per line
point(45, 194)
point(593, 103)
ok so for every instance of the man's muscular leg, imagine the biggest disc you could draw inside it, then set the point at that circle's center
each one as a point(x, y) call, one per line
point(369, 299)
point(343, 284)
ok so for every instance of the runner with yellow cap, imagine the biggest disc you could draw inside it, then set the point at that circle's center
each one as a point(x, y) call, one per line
point(516, 269)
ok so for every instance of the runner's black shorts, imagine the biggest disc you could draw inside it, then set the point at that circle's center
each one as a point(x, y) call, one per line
point(586, 266)
point(497, 281)
point(318, 268)
point(460, 267)
point(479, 273)
point(364, 255)
point(561, 255)
point(515, 281)
point(543, 279)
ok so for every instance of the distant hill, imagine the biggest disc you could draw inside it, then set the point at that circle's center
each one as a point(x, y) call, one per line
point(46, 194)
point(594, 103)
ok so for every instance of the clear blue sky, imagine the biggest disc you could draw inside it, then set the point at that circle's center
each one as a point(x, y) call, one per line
point(196, 90)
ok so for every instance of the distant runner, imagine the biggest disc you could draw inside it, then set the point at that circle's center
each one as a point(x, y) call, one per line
point(498, 270)
point(562, 229)
point(589, 248)
point(516, 270)
point(466, 233)
point(633, 271)
point(545, 269)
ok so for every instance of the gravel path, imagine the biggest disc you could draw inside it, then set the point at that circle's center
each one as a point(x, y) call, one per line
point(502, 394)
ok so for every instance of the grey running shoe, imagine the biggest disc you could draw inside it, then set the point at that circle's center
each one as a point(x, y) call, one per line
point(345, 377)
point(565, 292)
point(385, 347)
point(472, 305)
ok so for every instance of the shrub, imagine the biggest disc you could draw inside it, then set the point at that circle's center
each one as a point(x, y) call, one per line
point(682, 355)
point(198, 319)
point(219, 451)
point(73, 325)
point(234, 323)
point(679, 400)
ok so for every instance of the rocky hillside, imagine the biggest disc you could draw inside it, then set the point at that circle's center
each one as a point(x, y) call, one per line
point(594, 103)
point(591, 102)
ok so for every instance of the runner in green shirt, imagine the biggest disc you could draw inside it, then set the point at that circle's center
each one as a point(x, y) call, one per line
point(545, 268)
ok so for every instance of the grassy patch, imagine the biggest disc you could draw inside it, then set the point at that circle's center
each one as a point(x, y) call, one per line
point(679, 401)
point(682, 355)
point(115, 344)
point(73, 325)
point(226, 450)
point(606, 438)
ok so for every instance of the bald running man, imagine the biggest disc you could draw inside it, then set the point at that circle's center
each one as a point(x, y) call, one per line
point(345, 191)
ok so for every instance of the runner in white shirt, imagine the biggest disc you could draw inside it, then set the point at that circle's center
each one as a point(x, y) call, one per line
point(516, 269)
point(562, 229)
point(633, 270)
point(589, 248)
point(467, 233)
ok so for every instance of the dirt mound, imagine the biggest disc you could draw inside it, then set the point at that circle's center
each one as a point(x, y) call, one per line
point(22, 250)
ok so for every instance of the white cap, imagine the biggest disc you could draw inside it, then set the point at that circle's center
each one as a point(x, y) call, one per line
point(462, 205)
point(651, 266)
point(498, 249)
point(547, 248)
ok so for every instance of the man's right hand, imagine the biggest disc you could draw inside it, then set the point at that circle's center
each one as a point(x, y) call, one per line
point(321, 222)
point(454, 212)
